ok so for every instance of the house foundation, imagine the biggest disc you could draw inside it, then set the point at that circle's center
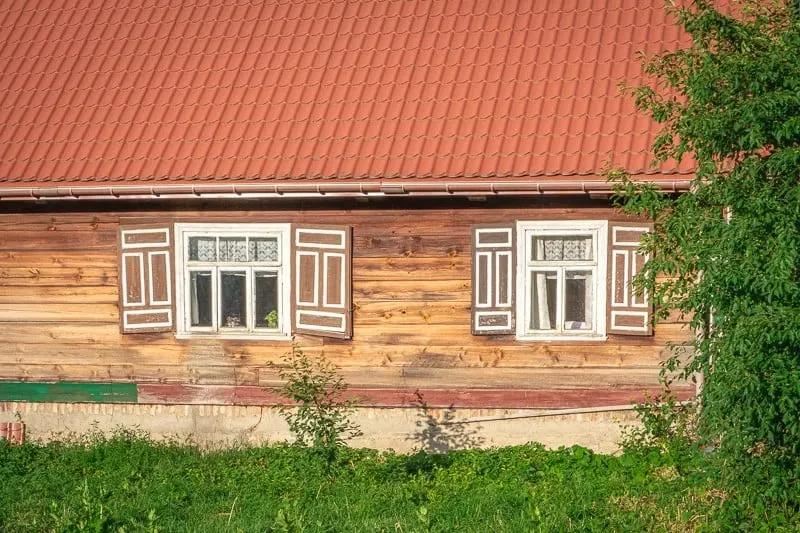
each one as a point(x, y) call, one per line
point(403, 429)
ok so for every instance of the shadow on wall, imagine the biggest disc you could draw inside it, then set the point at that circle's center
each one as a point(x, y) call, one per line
point(439, 431)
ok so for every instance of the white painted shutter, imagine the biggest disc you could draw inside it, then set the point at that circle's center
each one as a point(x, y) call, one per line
point(145, 279)
point(493, 279)
point(628, 313)
point(321, 288)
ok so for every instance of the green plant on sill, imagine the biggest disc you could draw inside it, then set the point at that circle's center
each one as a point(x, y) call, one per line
point(272, 319)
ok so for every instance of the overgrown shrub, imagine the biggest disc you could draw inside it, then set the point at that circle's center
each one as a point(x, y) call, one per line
point(726, 254)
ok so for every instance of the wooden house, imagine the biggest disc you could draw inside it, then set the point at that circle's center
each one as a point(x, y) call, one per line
point(413, 188)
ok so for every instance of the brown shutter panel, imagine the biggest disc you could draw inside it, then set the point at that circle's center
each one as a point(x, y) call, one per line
point(321, 286)
point(146, 300)
point(628, 313)
point(493, 273)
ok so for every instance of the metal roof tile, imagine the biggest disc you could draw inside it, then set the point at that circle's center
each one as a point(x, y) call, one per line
point(199, 90)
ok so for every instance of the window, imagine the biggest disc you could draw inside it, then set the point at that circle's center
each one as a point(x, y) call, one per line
point(560, 268)
point(233, 279)
point(236, 280)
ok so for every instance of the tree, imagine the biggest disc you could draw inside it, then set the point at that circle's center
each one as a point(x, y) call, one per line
point(727, 254)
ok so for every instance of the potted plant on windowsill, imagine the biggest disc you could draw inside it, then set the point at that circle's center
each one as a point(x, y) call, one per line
point(272, 319)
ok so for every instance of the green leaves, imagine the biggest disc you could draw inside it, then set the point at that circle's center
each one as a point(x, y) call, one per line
point(319, 415)
point(728, 253)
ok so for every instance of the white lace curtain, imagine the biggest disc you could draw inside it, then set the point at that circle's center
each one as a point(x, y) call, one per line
point(233, 249)
point(559, 249)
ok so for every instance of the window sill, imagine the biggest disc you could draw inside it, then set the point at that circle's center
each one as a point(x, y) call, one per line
point(562, 338)
point(234, 337)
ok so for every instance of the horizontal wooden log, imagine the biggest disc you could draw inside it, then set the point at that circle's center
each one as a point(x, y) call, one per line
point(59, 223)
point(497, 377)
point(58, 240)
point(456, 267)
point(411, 290)
point(414, 398)
point(458, 334)
point(441, 245)
point(37, 312)
point(77, 278)
point(412, 313)
point(379, 377)
point(421, 212)
point(59, 216)
point(16, 391)
point(203, 375)
point(58, 294)
point(35, 259)
point(227, 353)
point(454, 337)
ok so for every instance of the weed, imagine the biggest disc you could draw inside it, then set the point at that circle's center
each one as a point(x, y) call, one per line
point(667, 426)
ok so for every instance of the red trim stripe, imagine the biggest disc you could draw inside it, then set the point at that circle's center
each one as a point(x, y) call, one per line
point(468, 398)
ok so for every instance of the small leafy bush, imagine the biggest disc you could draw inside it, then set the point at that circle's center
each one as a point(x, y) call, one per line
point(320, 415)
point(667, 426)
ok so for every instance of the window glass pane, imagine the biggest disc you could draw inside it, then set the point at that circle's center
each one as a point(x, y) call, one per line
point(562, 248)
point(233, 300)
point(232, 249)
point(578, 300)
point(263, 249)
point(200, 307)
point(543, 287)
point(266, 289)
point(202, 249)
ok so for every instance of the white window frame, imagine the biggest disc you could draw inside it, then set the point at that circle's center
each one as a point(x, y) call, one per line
point(527, 229)
point(284, 267)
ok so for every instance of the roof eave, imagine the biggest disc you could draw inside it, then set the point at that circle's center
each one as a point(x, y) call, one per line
point(330, 189)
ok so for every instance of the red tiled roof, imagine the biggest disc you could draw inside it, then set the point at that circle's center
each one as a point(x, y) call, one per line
point(143, 92)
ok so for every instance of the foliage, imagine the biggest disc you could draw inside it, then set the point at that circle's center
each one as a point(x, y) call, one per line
point(320, 414)
point(732, 100)
point(667, 426)
point(128, 483)
point(272, 319)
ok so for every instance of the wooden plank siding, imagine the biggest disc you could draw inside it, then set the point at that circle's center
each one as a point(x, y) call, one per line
point(411, 293)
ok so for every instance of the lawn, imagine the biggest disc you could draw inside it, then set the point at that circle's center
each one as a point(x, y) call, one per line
point(128, 483)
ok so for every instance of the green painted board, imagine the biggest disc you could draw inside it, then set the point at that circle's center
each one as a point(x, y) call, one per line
point(26, 391)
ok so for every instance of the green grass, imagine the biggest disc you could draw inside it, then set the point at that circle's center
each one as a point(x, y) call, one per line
point(127, 483)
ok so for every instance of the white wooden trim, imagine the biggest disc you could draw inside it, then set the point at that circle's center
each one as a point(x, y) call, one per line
point(616, 229)
point(340, 316)
point(150, 278)
point(312, 231)
point(125, 301)
point(126, 246)
point(479, 314)
point(279, 296)
point(283, 267)
point(596, 228)
point(506, 244)
point(148, 325)
point(342, 277)
point(186, 322)
point(643, 314)
point(262, 335)
point(218, 294)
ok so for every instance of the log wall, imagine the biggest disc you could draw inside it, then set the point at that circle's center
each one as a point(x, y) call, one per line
point(411, 290)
